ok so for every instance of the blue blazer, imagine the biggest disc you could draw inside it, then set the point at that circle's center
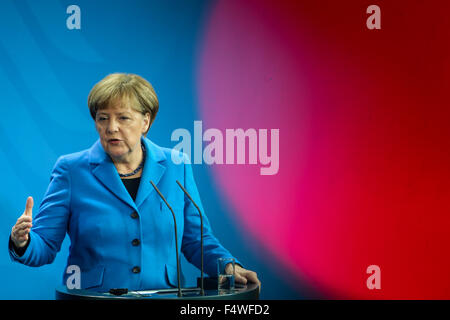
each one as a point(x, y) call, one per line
point(87, 199)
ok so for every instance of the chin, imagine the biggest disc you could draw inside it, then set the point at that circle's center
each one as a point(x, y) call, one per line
point(116, 153)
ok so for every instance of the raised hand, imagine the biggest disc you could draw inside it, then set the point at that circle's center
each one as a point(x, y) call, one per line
point(20, 231)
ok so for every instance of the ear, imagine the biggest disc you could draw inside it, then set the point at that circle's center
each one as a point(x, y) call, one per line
point(146, 119)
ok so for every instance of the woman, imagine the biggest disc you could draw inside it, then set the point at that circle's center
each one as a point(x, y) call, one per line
point(121, 232)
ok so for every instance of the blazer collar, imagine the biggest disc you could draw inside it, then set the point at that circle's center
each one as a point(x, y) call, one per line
point(103, 168)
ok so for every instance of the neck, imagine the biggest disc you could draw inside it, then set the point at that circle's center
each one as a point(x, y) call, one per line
point(129, 162)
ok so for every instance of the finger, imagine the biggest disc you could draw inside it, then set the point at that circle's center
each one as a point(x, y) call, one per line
point(24, 218)
point(229, 268)
point(23, 225)
point(22, 239)
point(29, 207)
point(19, 240)
point(239, 278)
point(17, 229)
point(252, 276)
point(21, 233)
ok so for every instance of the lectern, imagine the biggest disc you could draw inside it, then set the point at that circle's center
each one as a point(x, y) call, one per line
point(245, 292)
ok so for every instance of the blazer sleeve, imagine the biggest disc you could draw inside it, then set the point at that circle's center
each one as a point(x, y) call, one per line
point(50, 223)
point(212, 249)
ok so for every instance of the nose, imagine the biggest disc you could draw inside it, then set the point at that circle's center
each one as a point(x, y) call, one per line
point(113, 126)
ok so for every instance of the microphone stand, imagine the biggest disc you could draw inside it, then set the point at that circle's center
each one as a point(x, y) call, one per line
point(176, 238)
point(201, 234)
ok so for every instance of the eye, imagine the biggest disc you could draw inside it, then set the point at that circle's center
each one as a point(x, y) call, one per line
point(101, 118)
point(124, 118)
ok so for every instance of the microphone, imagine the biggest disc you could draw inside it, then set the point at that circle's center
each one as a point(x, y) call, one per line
point(176, 238)
point(201, 234)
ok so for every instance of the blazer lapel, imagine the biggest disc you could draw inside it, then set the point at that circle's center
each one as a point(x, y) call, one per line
point(153, 170)
point(105, 171)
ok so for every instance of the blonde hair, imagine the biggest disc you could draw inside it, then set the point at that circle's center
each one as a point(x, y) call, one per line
point(122, 85)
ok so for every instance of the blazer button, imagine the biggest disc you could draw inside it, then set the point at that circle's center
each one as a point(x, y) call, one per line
point(135, 242)
point(134, 215)
point(136, 269)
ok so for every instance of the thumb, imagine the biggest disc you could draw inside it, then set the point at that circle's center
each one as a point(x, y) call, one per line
point(29, 207)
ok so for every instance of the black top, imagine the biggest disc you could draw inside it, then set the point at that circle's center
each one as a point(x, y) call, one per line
point(132, 186)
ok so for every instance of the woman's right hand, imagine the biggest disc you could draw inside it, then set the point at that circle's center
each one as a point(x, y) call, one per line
point(20, 231)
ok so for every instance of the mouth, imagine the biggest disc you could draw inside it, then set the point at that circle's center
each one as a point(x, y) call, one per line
point(114, 141)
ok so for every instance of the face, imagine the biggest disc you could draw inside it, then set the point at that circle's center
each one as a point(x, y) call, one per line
point(120, 128)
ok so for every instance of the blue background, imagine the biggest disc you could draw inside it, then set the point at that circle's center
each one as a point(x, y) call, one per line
point(46, 73)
